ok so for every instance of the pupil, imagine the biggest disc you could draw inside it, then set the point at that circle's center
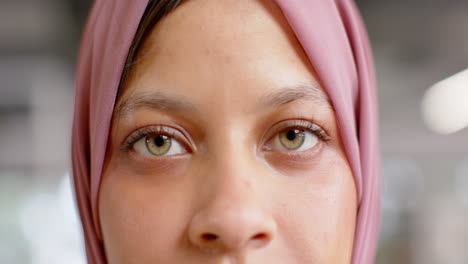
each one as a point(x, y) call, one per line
point(159, 141)
point(291, 135)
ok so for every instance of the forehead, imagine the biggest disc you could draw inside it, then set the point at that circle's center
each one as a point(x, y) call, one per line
point(231, 50)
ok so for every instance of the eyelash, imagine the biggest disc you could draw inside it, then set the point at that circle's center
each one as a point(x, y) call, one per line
point(317, 130)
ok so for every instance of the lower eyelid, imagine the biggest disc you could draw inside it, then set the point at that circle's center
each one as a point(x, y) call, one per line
point(294, 158)
point(153, 163)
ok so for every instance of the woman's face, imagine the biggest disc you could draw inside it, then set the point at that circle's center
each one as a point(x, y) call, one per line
point(224, 148)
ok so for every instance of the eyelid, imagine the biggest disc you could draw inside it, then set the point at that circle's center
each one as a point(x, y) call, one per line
point(140, 133)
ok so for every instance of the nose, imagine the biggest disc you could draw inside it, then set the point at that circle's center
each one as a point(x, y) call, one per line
point(232, 221)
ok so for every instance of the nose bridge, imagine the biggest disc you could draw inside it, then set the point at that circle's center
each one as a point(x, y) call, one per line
point(231, 157)
point(236, 174)
point(235, 192)
point(232, 216)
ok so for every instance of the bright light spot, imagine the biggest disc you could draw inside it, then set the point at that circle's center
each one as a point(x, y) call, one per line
point(445, 104)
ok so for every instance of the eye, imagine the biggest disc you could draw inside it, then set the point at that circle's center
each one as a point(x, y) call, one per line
point(295, 139)
point(296, 135)
point(158, 145)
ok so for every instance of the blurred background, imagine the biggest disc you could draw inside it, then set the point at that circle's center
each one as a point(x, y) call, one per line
point(424, 175)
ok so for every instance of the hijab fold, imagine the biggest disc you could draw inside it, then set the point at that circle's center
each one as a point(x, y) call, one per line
point(334, 38)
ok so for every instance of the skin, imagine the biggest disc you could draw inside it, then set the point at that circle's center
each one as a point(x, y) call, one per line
point(226, 77)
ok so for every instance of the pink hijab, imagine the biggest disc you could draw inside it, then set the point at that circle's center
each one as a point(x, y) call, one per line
point(334, 38)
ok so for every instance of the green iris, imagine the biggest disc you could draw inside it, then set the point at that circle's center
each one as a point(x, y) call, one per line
point(292, 139)
point(158, 144)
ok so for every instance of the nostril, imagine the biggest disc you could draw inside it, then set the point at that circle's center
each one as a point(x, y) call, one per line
point(209, 237)
point(260, 236)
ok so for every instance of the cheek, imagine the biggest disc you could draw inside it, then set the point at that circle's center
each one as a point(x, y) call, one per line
point(318, 212)
point(140, 220)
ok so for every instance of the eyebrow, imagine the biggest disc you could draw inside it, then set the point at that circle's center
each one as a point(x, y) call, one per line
point(272, 99)
point(156, 100)
point(279, 97)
